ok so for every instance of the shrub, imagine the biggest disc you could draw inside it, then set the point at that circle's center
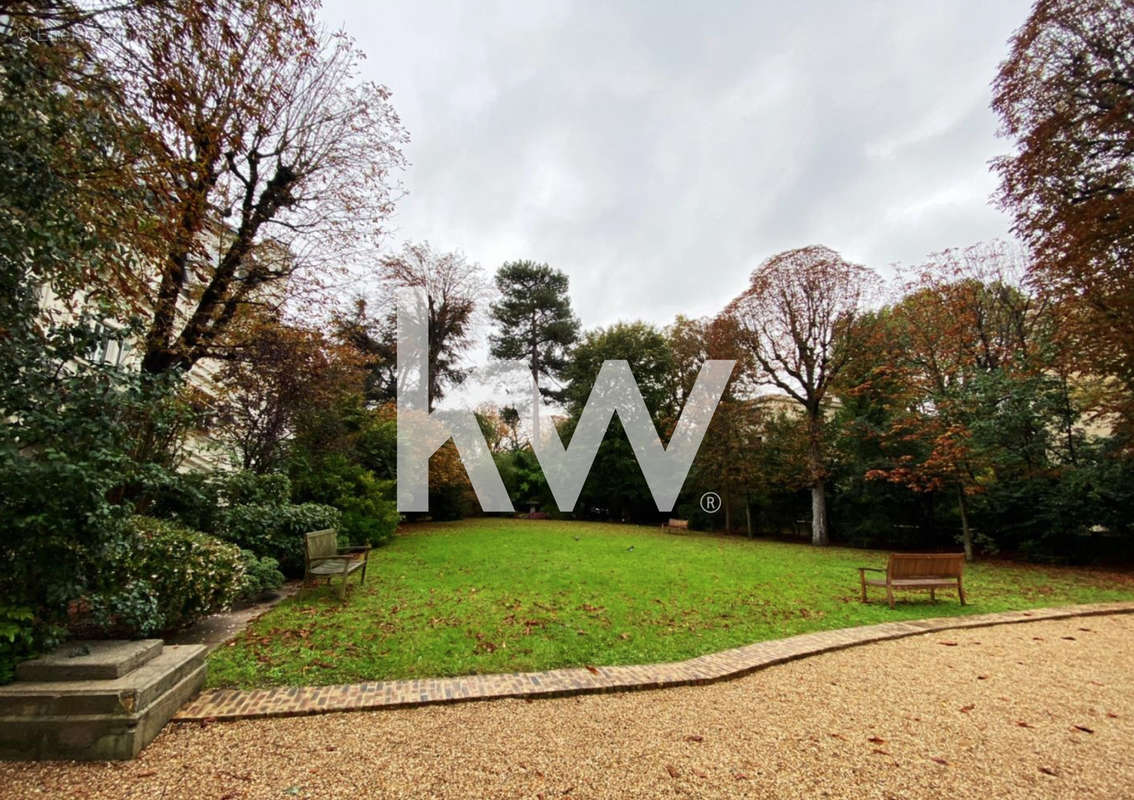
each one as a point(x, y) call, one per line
point(369, 513)
point(277, 530)
point(249, 488)
point(172, 577)
point(17, 638)
point(261, 574)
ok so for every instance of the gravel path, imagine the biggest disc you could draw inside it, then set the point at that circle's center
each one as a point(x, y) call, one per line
point(1043, 709)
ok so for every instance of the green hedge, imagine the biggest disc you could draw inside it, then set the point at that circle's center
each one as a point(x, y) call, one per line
point(277, 530)
point(172, 577)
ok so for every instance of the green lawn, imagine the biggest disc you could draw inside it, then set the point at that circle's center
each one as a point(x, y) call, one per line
point(502, 595)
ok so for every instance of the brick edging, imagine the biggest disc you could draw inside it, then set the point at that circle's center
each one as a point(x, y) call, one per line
point(290, 701)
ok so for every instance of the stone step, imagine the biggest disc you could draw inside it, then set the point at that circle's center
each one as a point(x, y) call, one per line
point(95, 737)
point(90, 661)
point(125, 695)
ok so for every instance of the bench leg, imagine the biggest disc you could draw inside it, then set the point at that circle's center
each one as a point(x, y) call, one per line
point(932, 595)
point(862, 580)
point(890, 595)
point(960, 591)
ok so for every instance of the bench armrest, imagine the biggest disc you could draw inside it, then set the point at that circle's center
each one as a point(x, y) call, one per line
point(870, 569)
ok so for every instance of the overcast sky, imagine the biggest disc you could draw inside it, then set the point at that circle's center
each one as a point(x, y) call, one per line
point(658, 151)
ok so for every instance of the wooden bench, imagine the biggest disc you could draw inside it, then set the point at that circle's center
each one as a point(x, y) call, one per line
point(676, 524)
point(930, 571)
point(324, 559)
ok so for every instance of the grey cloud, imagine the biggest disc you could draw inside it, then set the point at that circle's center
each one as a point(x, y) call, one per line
point(657, 151)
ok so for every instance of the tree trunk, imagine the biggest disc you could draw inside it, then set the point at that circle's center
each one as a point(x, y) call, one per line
point(747, 517)
point(819, 515)
point(819, 530)
point(966, 533)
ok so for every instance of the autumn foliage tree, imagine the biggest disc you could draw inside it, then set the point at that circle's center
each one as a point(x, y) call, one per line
point(281, 374)
point(1065, 95)
point(799, 321)
point(270, 163)
point(958, 344)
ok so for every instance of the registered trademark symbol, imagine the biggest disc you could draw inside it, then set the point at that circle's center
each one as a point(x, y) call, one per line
point(710, 502)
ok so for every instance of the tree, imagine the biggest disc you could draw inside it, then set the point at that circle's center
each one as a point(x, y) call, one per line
point(615, 486)
point(799, 319)
point(376, 338)
point(535, 322)
point(452, 288)
point(282, 374)
point(1065, 94)
point(974, 378)
point(269, 163)
point(534, 318)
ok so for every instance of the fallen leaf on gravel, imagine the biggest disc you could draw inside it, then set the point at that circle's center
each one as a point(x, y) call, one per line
point(1111, 715)
point(1048, 771)
point(1083, 728)
point(948, 644)
point(592, 670)
point(982, 677)
point(1087, 630)
point(876, 740)
point(839, 736)
point(1068, 638)
point(740, 776)
point(879, 751)
point(939, 760)
point(694, 738)
point(967, 709)
point(1023, 724)
point(699, 773)
point(146, 774)
point(672, 770)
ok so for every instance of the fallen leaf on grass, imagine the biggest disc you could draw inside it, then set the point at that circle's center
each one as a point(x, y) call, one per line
point(623, 636)
point(672, 770)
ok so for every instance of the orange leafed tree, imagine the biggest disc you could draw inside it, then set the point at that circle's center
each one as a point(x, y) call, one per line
point(799, 321)
point(270, 164)
point(1065, 95)
point(961, 316)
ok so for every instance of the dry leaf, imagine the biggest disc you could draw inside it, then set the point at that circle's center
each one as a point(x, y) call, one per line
point(948, 644)
point(967, 709)
point(694, 738)
point(1082, 728)
point(940, 761)
point(1048, 771)
point(672, 770)
point(876, 740)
